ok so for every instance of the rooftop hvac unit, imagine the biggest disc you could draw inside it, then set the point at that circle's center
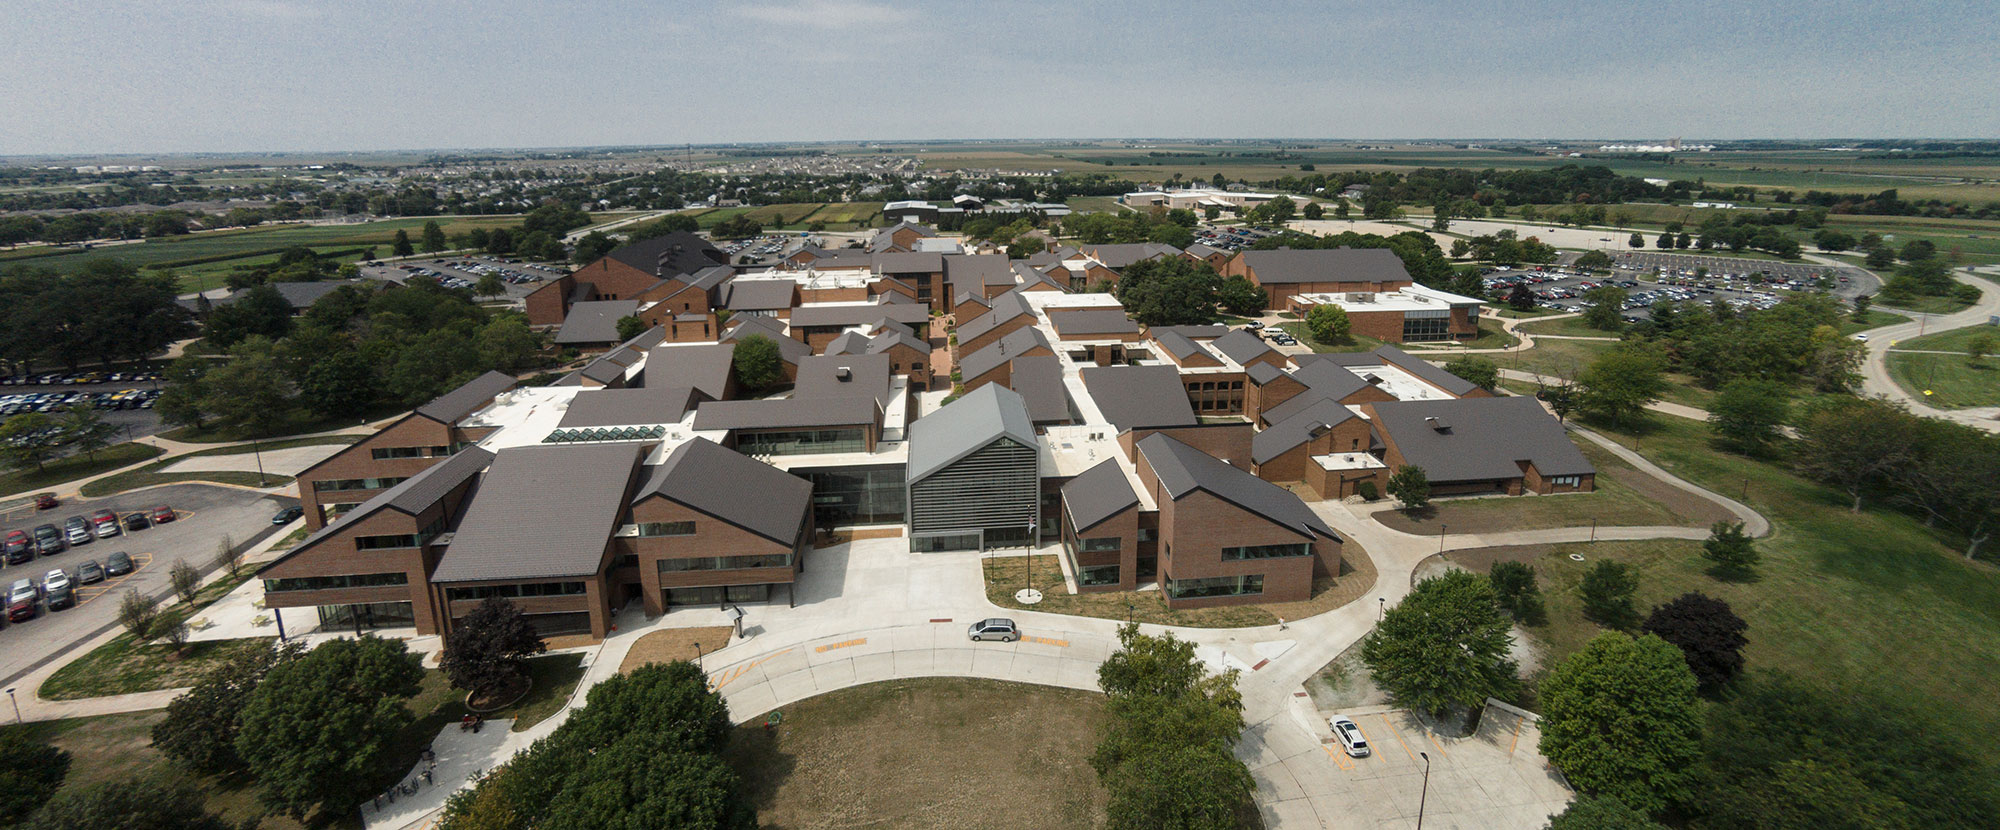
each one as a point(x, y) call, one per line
point(1361, 298)
point(1437, 423)
point(841, 374)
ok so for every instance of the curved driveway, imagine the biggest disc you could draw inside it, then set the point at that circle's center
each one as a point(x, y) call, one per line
point(1875, 378)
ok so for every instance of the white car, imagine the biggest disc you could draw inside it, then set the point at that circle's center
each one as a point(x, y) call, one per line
point(1350, 736)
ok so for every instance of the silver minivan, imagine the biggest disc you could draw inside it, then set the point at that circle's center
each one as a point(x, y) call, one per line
point(998, 628)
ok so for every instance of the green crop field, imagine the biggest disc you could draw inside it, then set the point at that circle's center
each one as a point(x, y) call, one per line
point(838, 216)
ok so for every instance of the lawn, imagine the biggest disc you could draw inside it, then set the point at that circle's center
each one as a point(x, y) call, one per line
point(1511, 314)
point(1624, 497)
point(1357, 343)
point(1873, 599)
point(124, 666)
point(1947, 381)
point(929, 752)
point(1561, 358)
point(1925, 305)
point(152, 474)
point(299, 424)
point(1875, 320)
point(77, 466)
point(112, 749)
point(1565, 327)
point(1006, 575)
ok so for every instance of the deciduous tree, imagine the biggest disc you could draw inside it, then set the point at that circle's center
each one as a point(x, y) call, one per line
point(199, 728)
point(315, 730)
point(1515, 589)
point(1329, 324)
point(1477, 369)
point(1621, 382)
point(1620, 718)
point(153, 802)
point(1708, 633)
point(30, 772)
point(1444, 647)
point(757, 362)
point(1596, 812)
point(1854, 444)
point(1750, 414)
point(489, 649)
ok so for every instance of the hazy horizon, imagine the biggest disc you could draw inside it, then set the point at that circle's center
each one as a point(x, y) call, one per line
point(121, 77)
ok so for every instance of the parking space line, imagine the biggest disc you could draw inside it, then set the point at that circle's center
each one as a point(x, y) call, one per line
point(139, 560)
point(1517, 735)
point(1340, 758)
point(1434, 742)
point(1398, 735)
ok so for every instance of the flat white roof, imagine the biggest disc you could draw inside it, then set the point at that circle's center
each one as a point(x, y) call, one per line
point(1349, 461)
point(1411, 298)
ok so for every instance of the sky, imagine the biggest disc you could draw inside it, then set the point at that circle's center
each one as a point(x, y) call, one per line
point(149, 76)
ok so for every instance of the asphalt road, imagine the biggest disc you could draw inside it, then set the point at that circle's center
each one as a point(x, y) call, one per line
point(206, 514)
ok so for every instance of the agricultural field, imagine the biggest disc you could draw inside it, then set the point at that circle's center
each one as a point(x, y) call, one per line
point(838, 216)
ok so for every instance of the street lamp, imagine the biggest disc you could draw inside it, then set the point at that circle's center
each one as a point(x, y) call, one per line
point(1381, 607)
point(17, 704)
point(1441, 530)
point(1425, 796)
point(697, 655)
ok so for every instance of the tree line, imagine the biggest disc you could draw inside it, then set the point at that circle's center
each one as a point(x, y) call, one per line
point(106, 312)
point(358, 348)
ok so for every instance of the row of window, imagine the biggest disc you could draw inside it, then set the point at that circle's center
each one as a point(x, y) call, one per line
point(1426, 328)
point(1239, 554)
point(1216, 586)
point(726, 563)
point(335, 485)
point(324, 583)
point(1566, 481)
point(1100, 544)
point(666, 528)
point(388, 453)
point(801, 441)
point(1097, 575)
point(531, 589)
point(402, 540)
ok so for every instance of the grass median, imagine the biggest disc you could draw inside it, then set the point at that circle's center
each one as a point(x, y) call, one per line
point(69, 469)
point(1008, 574)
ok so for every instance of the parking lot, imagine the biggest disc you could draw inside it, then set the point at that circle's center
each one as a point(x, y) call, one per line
point(125, 403)
point(1562, 290)
point(1493, 778)
point(1795, 276)
point(520, 278)
point(204, 514)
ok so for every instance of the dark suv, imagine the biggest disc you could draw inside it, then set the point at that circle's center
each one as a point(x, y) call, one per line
point(48, 540)
point(19, 547)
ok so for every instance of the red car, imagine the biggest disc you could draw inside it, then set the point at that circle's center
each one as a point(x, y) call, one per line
point(18, 547)
point(162, 515)
point(46, 501)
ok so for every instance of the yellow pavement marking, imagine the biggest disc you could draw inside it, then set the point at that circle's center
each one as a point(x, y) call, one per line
point(1046, 641)
point(1340, 758)
point(1396, 732)
point(1434, 742)
point(1517, 736)
point(139, 560)
point(730, 675)
point(842, 644)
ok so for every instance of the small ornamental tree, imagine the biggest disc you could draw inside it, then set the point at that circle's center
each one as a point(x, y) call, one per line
point(1444, 646)
point(1328, 324)
point(489, 648)
point(1521, 299)
point(1514, 587)
point(630, 327)
point(1411, 486)
point(1607, 595)
point(138, 613)
point(186, 581)
point(1708, 634)
point(1620, 718)
point(1733, 552)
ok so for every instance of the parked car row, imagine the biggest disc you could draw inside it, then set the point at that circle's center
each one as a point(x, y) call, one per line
point(22, 546)
point(77, 378)
point(56, 401)
point(57, 589)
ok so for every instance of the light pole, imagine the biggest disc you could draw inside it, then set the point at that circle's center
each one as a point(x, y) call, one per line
point(1441, 529)
point(697, 654)
point(17, 704)
point(257, 450)
point(1426, 794)
point(1381, 607)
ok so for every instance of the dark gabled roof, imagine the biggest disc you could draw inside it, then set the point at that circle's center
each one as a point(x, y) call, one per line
point(612, 364)
point(1132, 397)
point(1097, 494)
point(775, 413)
point(1242, 346)
point(1287, 266)
point(841, 259)
point(595, 321)
point(705, 367)
point(1475, 439)
point(412, 496)
point(771, 328)
point(1003, 308)
point(760, 295)
point(965, 426)
point(1091, 321)
point(826, 377)
point(710, 277)
point(675, 254)
point(964, 271)
point(1194, 332)
point(1263, 373)
point(855, 314)
point(628, 407)
point(1025, 275)
point(1117, 256)
point(964, 297)
point(849, 342)
point(1203, 251)
point(1015, 344)
point(1392, 356)
point(733, 487)
point(1282, 436)
point(910, 262)
point(542, 513)
point(1038, 379)
point(1330, 377)
point(1179, 346)
point(895, 334)
point(1182, 469)
point(302, 294)
point(451, 406)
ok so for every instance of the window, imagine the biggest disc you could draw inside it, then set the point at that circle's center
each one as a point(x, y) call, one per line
point(1239, 554)
point(400, 540)
point(532, 589)
point(441, 452)
point(335, 485)
point(1097, 575)
point(1566, 481)
point(1425, 328)
point(1216, 586)
point(1147, 534)
point(802, 441)
point(726, 563)
point(386, 453)
point(1100, 544)
point(666, 528)
point(327, 583)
